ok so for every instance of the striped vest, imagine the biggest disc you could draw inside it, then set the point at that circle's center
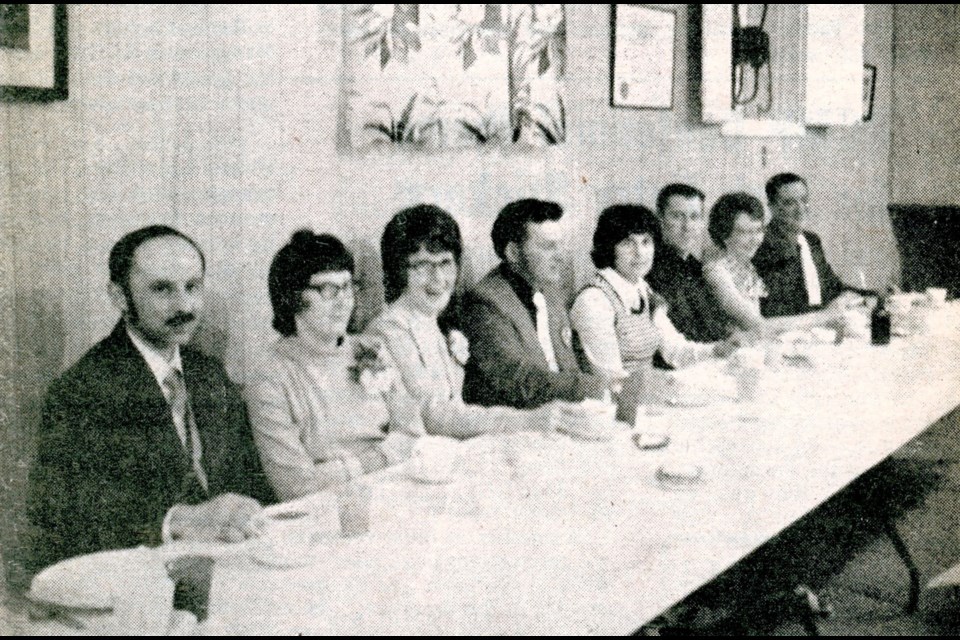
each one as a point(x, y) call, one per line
point(638, 338)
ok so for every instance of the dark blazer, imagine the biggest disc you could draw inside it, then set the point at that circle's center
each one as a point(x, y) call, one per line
point(109, 463)
point(781, 270)
point(507, 365)
point(693, 308)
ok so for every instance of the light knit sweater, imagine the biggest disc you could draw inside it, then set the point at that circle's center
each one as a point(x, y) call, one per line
point(313, 424)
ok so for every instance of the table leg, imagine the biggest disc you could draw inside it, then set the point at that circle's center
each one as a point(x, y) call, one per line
point(913, 600)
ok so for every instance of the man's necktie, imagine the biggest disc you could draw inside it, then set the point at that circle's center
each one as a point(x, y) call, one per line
point(185, 423)
point(811, 279)
point(543, 331)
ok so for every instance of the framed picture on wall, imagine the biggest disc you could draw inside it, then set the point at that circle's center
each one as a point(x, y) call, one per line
point(869, 88)
point(33, 52)
point(641, 56)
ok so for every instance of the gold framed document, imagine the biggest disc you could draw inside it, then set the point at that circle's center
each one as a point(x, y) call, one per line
point(641, 56)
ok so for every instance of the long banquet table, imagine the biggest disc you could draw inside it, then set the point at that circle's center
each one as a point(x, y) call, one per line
point(548, 535)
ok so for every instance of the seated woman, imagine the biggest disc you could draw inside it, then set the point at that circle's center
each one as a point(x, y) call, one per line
point(421, 249)
point(737, 227)
point(323, 410)
point(620, 323)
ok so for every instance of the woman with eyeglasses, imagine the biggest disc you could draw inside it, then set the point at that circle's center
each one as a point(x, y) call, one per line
point(325, 408)
point(620, 323)
point(737, 227)
point(421, 249)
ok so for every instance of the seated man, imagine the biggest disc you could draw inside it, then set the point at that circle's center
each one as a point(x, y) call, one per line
point(144, 438)
point(677, 272)
point(516, 320)
point(791, 260)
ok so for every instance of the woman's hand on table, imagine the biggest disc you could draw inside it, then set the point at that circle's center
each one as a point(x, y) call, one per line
point(227, 518)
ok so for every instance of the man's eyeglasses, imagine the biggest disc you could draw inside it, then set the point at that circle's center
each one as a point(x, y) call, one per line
point(426, 268)
point(330, 290)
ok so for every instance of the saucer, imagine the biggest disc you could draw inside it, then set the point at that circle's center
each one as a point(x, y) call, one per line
point(689, 401)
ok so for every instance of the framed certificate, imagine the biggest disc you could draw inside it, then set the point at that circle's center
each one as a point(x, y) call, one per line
point(641, 56)
point(33, 52)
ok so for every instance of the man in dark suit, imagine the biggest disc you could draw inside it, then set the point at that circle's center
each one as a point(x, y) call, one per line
point(516, 319)
point(677, 272)
point(791, 260)
point(144, 438)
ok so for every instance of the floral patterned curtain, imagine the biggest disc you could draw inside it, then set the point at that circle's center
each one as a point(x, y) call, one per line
point(446, 76)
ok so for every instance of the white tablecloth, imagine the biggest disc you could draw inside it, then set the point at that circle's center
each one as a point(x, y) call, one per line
point(548, 535)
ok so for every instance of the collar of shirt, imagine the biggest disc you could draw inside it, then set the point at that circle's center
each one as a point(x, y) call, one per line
point(630, 293)
point(160, 367)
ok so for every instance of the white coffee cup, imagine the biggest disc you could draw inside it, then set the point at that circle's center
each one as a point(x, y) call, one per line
point(900, 306)
point(288, 532)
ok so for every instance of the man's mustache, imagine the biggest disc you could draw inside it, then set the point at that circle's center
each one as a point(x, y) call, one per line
point(181, 319)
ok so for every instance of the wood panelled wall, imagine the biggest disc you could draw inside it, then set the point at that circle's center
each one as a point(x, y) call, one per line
point(223, 121)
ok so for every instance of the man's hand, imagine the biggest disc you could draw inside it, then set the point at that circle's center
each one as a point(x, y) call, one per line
point(226, 518)
point(850, 299)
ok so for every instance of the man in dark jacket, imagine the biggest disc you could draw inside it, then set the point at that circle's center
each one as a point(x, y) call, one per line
point(791, 260)
point(516, 319)
point(144, 438)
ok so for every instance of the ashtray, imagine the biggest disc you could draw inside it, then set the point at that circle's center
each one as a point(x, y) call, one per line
point(680, 476)
point(648, 441)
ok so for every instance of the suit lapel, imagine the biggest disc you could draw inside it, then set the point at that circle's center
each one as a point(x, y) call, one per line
point(501, 294)
point(560, 333)
point(150, 430)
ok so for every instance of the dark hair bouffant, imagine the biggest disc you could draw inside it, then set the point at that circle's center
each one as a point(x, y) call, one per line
point(307, 253)
point(616, 224)
point(424, 226)
point(724, 212)
point(511, 223)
